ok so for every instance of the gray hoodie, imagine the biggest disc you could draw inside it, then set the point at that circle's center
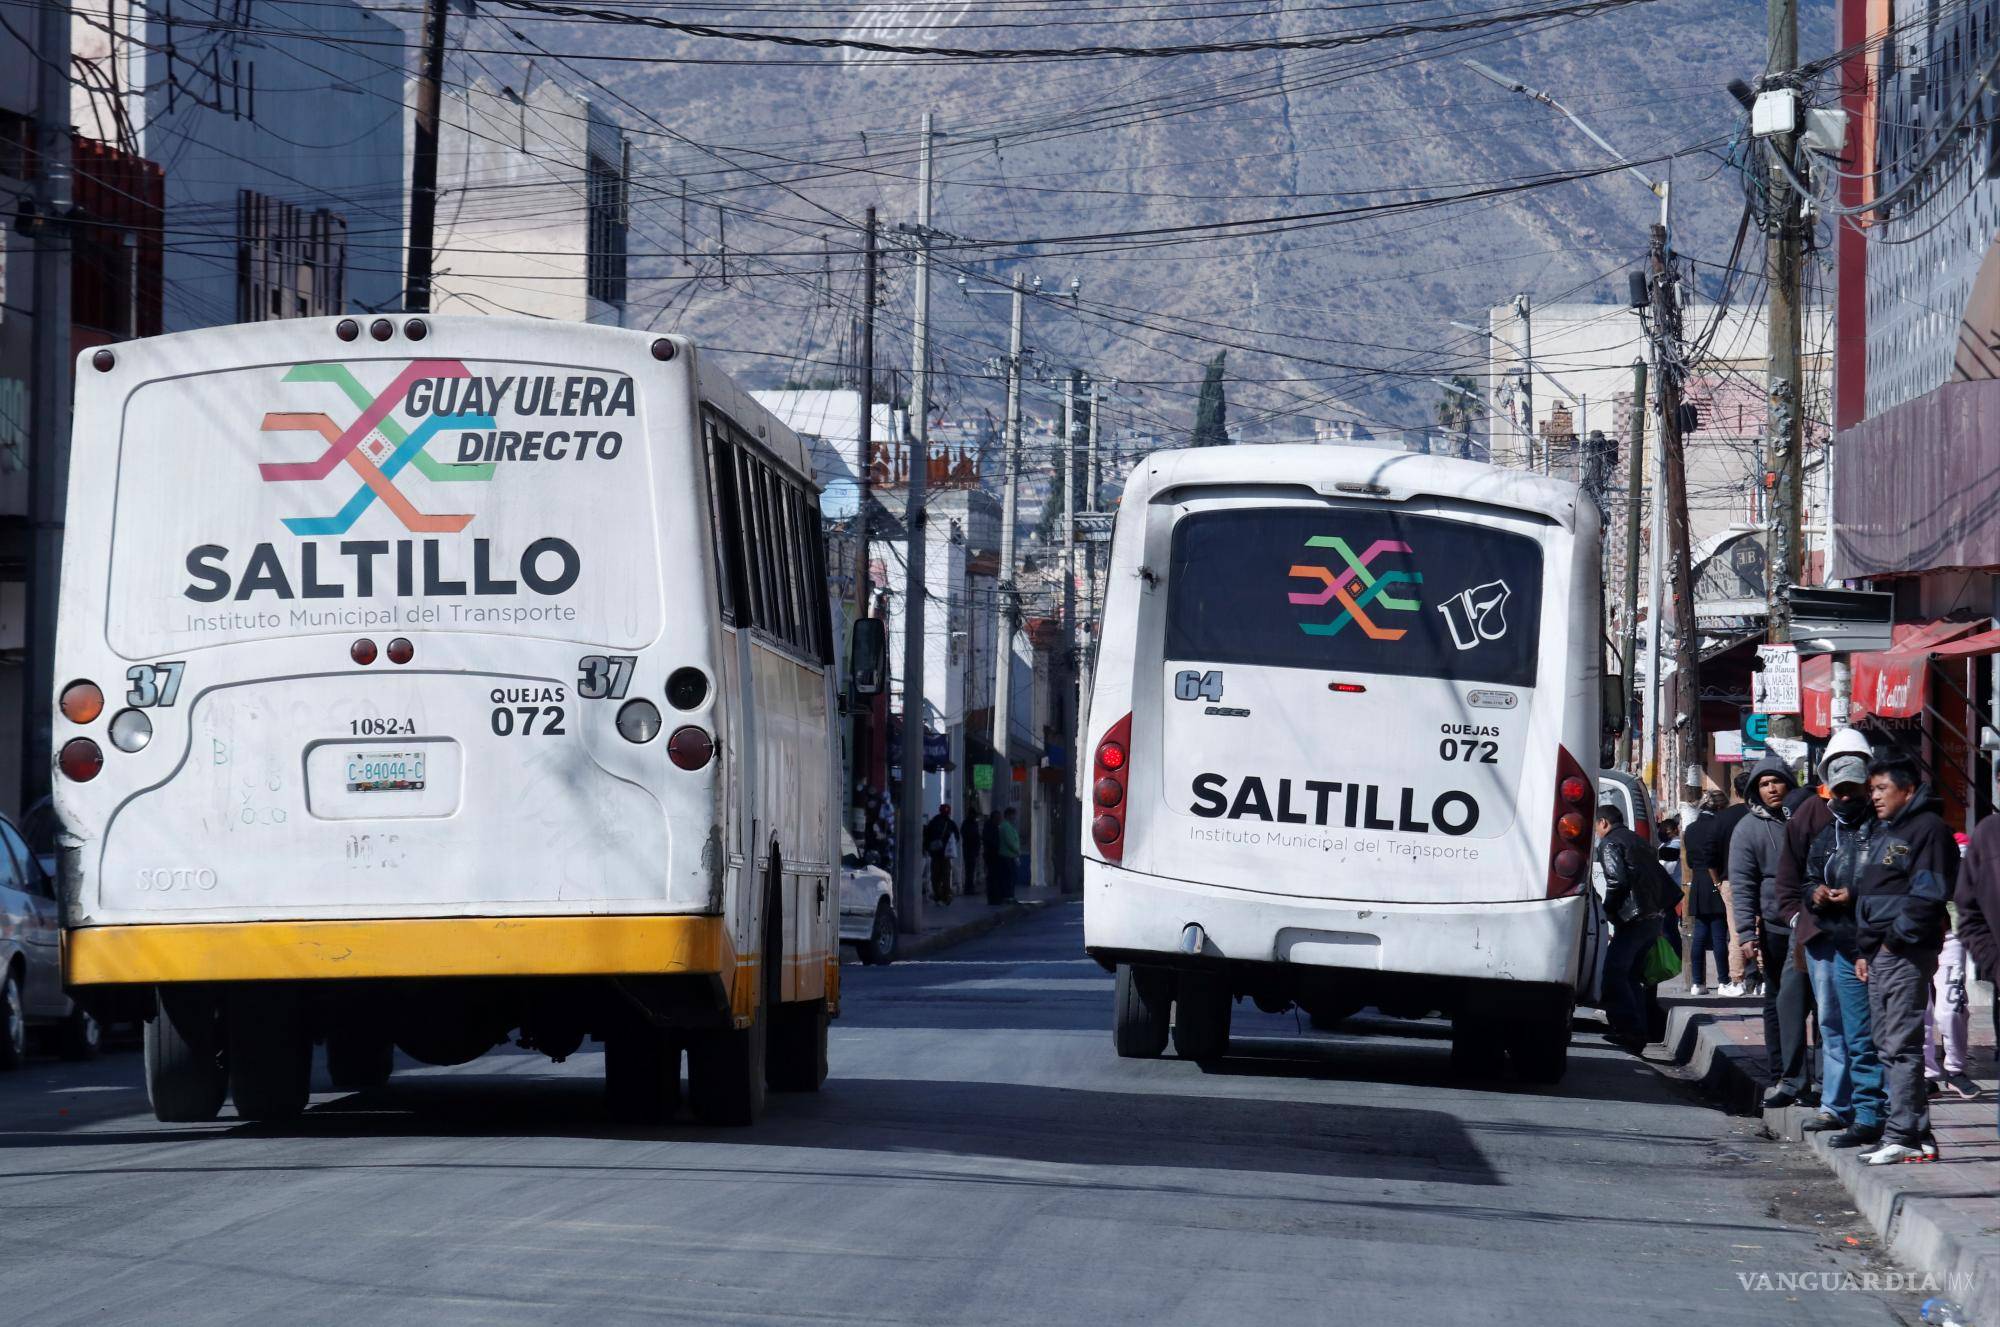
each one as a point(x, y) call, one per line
point(1755, 850)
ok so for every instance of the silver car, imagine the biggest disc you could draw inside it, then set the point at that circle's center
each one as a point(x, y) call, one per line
point(31, 989)
point(867, 905)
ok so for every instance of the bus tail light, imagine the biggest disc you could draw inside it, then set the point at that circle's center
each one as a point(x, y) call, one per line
point(82, 701)
point(401, 651)
point(131, 730)
point(362, 651)
point(1114, 760)
point(1569, 843)
point(81, 759)
point(690, 748)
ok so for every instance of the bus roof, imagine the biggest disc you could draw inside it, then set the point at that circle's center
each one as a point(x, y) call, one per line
point(1356, 471)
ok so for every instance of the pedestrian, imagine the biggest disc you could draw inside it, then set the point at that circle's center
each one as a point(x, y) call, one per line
point(941, 848)
point(1635, 889)
point(1737, 982)
point(997, 883)
point(1948, 1019)
point(1978, 901)
point(1010, 854)
point(1764, 929)
point(971, 833)
point(1807, 814)
point(1851, 1096)
point(1670, 848)
point(1899, 910)
point(1707, 918)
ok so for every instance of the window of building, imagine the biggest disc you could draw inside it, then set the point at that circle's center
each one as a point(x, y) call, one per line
point(290, 263)
point(606, 255)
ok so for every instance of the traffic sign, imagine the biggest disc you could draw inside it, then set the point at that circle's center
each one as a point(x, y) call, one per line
point(1756, 733)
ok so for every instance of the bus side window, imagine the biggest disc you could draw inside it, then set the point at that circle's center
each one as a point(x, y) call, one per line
point(813, 541)
point(753, 540)
point(726, 520)
point(787, 496)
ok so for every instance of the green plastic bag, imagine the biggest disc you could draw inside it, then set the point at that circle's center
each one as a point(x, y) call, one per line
point(1662, 964)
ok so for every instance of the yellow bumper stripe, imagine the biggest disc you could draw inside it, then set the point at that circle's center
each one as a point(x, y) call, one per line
point(414, 947)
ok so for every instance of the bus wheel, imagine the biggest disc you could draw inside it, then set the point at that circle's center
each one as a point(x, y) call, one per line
point(359, 1060)
point(880, 946)
point(642, 1075)
point(1539, 1048)
point(726, 1082)
point(13, 1022)
point(1476, 1048)
point(270, 1055)
point(1142, 1012)
point(798, 1047)
point(1202, 1008)
point(185, 1079)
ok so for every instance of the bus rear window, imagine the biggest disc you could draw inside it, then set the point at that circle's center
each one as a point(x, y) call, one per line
point(1355, 589)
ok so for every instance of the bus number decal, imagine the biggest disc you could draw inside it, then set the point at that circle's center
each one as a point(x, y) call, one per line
point(605, 677)
point(382, 727)
point(1470, 751)
point(1191, 685)
point(522, 720)
point(154, 684)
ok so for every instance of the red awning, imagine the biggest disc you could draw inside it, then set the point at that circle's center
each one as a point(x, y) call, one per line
point(1891, 684)
point(1971, 647)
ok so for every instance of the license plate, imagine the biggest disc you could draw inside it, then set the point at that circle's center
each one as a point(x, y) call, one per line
point(385, 771)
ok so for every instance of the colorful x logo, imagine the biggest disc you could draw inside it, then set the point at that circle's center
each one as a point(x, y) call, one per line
point(1374, 589)
point(377, 481)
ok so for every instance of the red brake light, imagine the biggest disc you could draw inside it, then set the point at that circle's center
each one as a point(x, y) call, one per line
point(1569, 839)
point(401, 651)
point(1346, 688)
point(81, 759)
point(362, 651)
point(82, 701)
point(690, 748)
point(1107, 831)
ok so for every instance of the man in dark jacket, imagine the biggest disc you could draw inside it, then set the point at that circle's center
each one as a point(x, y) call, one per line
point(1851, 1094)
point(972, 835)
point(1710, 935)
point(1635, 894)
point(1899, 914)
point(1978, 900)
point(1716, 858)
point(1764, 930)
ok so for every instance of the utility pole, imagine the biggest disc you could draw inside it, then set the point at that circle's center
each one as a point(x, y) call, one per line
point(1687, 635)
point(1524, 309)
point(866, 441)
point(1091, 483)
point(910, 816)
point(1785, 466)
point(1634, 486)
point(48, 446)
point(424, 164)
point(1003, 622)
point(1066, 673)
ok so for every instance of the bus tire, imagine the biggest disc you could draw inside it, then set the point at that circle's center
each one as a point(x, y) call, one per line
point(185, 1078)
point(357, 1061)
point(81, 1036)
point(1476, 1048)
point(880, 946)
point(642, 1075)
point(797, 1060)
point(726, 1067)
point(1142, 1013)
point(1202, 1009)
point(270, 1055)
point(1539, 1051)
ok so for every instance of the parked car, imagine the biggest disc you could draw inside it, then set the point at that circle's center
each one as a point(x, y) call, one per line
point(32, 999)
point(1628, 793)
point(867, 904)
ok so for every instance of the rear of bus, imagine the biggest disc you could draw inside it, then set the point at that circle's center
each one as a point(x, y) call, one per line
point(412, 710)
point(1344, 731)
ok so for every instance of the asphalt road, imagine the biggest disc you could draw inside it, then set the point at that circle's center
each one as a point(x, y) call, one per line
point(979, 1156)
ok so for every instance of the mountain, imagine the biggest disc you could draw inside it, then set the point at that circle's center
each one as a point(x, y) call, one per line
point(1344, 317)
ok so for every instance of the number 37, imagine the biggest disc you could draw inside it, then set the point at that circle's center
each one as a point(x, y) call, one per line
point(154, 684)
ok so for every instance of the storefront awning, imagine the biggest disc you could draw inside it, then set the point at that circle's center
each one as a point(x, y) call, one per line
point(1892, 683)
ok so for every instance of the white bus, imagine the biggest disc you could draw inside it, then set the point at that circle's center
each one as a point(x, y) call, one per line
point(1344, 725)
point(431, 682)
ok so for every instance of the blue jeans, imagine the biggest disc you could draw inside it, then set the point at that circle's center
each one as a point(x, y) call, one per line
point(1624, 995)
point(1711, 937)
point(1865, 1089)
point(1835, 1088)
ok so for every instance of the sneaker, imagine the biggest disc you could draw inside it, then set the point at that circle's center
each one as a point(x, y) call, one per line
point(1824, 1122)
point(1780, 1097)
point(1929, 1148)
point(1963, 1086)
point(1892, 1154)
point(1627, 1041)
point(1857, 1135)
point(1731, 990)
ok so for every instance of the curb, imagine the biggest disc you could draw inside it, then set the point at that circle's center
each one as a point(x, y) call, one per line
point(932, 941)
point(1933, 1233)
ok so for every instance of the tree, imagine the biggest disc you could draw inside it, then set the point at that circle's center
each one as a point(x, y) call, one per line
point(1457, 409)
point(1211, 409)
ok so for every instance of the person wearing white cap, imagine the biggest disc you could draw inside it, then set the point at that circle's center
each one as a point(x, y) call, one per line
point(1852, 1096)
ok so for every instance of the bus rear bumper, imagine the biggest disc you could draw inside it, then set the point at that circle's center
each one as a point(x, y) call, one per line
point(621, 945)
point(1128, 916)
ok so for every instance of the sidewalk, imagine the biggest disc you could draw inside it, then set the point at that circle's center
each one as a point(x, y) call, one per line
point(963, 918)
point(1943, 1218)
